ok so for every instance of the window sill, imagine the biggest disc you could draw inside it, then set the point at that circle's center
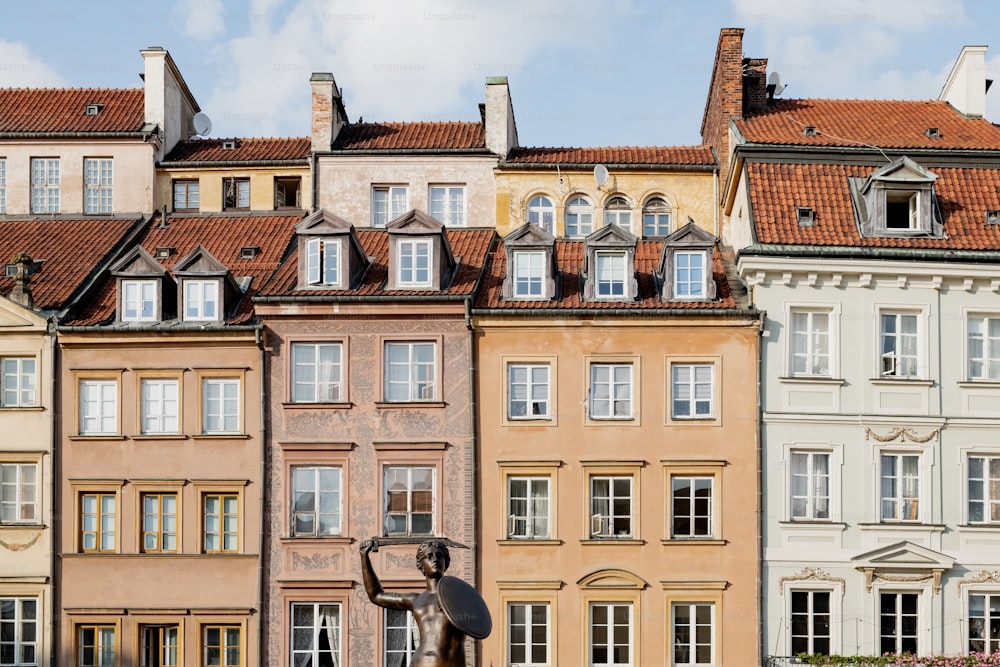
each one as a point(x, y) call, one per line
point(410, 405)
point(694, 542)
point(529, 543)
point(221, 436)
point(160, 436)
point(969, 384)
point(813, 524)
point(617, 541)
point(338, 540)
point(811, 379)
point(6, 527)
point(899, 381)
point(526, 421)
point(98, 436)
point(21, 408)
point(318, 406)
point(903, 525)
point(979, 527)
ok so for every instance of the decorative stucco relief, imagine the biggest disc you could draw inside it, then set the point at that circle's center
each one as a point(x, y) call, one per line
point(901, 433)
point(808, 574)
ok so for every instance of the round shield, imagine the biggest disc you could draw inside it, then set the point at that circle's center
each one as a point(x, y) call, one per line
point(464, 607)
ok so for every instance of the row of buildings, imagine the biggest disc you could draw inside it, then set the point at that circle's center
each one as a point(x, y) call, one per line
point(700, 411)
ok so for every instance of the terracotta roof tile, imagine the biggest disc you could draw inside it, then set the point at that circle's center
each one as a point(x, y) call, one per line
point(963, 195)
point(248, 149)
point(570, 255)
point(411, 136)
point(882, 123)
point(223, 236)
point(69, 251)
point(63, 110)
point(644, 155)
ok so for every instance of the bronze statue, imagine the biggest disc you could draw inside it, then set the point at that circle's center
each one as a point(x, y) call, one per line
point(445, 612)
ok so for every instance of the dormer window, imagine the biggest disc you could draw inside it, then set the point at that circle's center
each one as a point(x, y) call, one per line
point(529, 274)
point(609, 265)
point(420, 256)
point(610, 274)
point(902, 210)
point(206, 286)
point(897, 201)
point(139, 301)
point(686, 265)
point(689, 274)
point(141, 288)
point(330, 255)
point(201, 300)
point(531, 267)
point(413, 263)
point(323, 261)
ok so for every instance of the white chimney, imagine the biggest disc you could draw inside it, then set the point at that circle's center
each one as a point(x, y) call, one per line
point(328, 115)
point(501, 130)
point(169, 104)
point(966, 86)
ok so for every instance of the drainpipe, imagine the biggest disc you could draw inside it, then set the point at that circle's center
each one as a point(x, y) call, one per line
point(52, 623)
point(313, 171)
point(761, 610)
point(474, 456)
point(261, 571)
point(715, 201)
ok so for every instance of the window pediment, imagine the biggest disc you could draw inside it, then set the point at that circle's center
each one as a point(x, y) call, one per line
point(144, 290)
point(609, 265)
point(531, 264)
point(206, 288)
point(330, 254)
point(420, 256)
point(685, 268)
point(897, 200)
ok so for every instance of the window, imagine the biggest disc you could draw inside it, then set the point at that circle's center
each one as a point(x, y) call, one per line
point(409, 500)
point(694, 627)
point(579, 216)
point(902, 210)
point(528, 391)
point(97, 522)
point(160, 406)
point(810, 626)
point(401, 637)
point(689, 274)
point(898, 623)
point(98, 407)
point(900, 487)
point(3, 186)
point(542, 212)
point(810, 342)
point(611, 391)
point(388, 203)
point(18, 382)
point(220, 405)
point(692, 390)
point(528, 633)
point(287, 191)
point(19, 494)
point(221, 523)
point(159, 522)
point(98, 178)
point(410, 370)
point(236, 194)
point(186, 196)
point(317, 372)
point(984, 623)
point(138, 301)
point(528, 508)
point(900, 340)
point(984, 489)
point(529, 274)
point(984, 348)
point(610, 634)
point(201, 300)
point(618, 212)
point(448, 204)
point(691, 507)
point(323, 262)
point(44, 185)
point(316, 501)
point(810, 486)
point(222, 646)
point(413, 268)
point(96, 646)
point(611, 276)
point(159, 646)
point(610, 507)
point(315, 634)
point(656, 217)
point(19, 631)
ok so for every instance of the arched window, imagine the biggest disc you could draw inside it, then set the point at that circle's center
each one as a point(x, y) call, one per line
point(579, 216)
point(618, 212)
point(542, 212)
point(656, 217)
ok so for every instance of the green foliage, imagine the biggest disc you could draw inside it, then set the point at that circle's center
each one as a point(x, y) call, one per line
point(905, 660)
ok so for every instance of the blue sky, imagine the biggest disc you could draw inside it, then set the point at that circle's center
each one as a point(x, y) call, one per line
point(581, 72)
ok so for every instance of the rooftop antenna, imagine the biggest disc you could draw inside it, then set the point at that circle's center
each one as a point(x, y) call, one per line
point(202, 125)
point(601, 176)
point(774, 86)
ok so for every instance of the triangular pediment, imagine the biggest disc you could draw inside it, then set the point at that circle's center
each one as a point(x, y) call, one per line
point(16, 316)
point(415, 222)
point(529, 234)
point(322, 222)
point(690, 235)
point(138, 262)
point(903, 556)
point(902, 170)
point(199, 262)
point(611, 236)
point(616, 579)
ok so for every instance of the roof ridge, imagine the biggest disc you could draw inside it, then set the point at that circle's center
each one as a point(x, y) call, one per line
point(67, 89)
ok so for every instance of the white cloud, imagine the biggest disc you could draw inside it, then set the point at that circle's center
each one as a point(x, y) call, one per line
point(201, 19)
point(21, 68)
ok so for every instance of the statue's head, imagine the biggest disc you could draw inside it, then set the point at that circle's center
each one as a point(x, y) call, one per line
point(430, 547)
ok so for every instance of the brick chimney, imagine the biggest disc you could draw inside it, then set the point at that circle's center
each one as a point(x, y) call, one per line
point(328, 114)
point(754, 83)
point(21, 294)
point(498, 117)
point(725, 95)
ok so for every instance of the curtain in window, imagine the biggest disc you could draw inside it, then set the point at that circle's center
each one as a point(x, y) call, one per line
point(330, 627)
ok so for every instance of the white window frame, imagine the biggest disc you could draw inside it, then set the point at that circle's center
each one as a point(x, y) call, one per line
point(330, 389)
point(991, 645)
point(418, 257)
point(447, 204)
point(812, 498)
point(811, 617)
point(421, 381)
point(610, 278)
point(899, 499)
point(811, 359)
point(220, 413)
point(988, 360)
point(542, 212)
point(98, 178)
point(395, 658)
point(534, 522)
point(19, 493)
point(691, 631)
point(409, 512)
point(989, 504)
point(160, 406)
point(139, 301)
point(25, 652)
point(388, 203)
point(98, 413)
point(579, 216)
point(323, 262)
point(656, 216)
point(536, 395)
point(201, 301)
point(602, 521)
point(618, 211)
point(693, 515)
point(18, 382)
point(191, 189)
point(45, 181)
point(309, 479)
point(608, 629)
point(920, 614)
point(684, 286)
point(526, 627)
point(314, 629)
point(529, 274)
point(3, 185)
point(686, 392)
point(894, 364)
point(609, 396)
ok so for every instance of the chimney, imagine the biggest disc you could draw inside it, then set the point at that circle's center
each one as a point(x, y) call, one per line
point(966, 86)
point(754, 83)
point(328, 115)
point(501, 129)
point(725, 96)
point(168, 102)
point(21, 294)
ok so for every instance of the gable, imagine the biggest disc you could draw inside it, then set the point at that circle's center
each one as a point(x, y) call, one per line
point(200, 262)
point(612, 579)
point(322, 222)
point(415, 222)
point(137, 262)
point(903, 555)
point(14, 316)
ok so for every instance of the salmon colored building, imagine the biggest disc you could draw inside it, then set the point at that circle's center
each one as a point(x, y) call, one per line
point(617, 452)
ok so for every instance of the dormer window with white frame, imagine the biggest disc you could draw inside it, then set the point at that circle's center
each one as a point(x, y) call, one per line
point(529, 274)
point(897, 201)
point(139, 301)
point(611, 276)
point(201, 300)
point(330, 256)
point(323, 261)
point(609, 265)
point(420, 255)
point(531, 267)
point(413, 263)
point(689, 274)
point(141, 288)
point(686, 265)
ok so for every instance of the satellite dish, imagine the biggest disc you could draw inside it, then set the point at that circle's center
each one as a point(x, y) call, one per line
point(775, 81)
point(601, 175)
point(202, 124)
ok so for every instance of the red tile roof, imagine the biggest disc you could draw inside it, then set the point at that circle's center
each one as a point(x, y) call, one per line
point(470, 246)
point(253, 148)
point(411, 136)
point(570, 255)
point(70, 250)
point(63, 110)
point(963, 195)
point(856, 123)
point(223, 236)
point(643, 155)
